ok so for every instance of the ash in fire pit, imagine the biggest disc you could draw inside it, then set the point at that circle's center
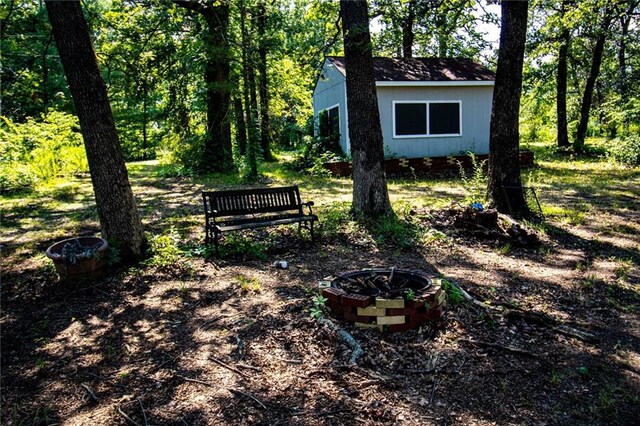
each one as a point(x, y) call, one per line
point(387, 299)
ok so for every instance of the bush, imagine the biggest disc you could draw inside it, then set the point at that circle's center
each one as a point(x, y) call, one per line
point(165, 251)
point(40, 151)
point(625, 150)
point(315, 152)
point(15, 177)
point(474, 181)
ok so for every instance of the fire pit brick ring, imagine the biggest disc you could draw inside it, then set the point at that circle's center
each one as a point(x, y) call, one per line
point(386, 299)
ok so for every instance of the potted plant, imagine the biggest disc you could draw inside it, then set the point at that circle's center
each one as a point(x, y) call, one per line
point(79, 258)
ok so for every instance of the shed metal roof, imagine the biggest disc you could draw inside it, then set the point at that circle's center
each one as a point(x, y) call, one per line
point(423, 69)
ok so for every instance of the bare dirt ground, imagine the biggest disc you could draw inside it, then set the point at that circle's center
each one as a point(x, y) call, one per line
point(184, 343)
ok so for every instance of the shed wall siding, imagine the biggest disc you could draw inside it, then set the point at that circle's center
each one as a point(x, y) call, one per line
point(476, 117)
point(329, 91)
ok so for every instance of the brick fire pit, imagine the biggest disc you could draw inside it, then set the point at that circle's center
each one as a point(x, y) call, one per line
point(386, 299)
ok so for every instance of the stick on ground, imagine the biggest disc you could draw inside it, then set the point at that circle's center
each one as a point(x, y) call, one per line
point(248, 395)
point(229, 367)
point(356, 349)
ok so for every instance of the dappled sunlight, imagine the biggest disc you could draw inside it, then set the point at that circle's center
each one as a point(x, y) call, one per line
point(175, 330)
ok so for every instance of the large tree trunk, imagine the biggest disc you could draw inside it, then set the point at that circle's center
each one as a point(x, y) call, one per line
point(561, 85)
point(117, 209)
point(217, 155)
point(370, 196)
point(587, 96)
point(265, 137)
point(504, 157)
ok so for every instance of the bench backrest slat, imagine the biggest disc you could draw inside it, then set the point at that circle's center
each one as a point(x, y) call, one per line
point(246, 201)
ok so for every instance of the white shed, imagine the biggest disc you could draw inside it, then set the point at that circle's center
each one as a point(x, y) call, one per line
point(429, 107)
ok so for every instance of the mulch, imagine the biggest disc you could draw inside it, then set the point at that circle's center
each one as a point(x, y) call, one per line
point(186, 344)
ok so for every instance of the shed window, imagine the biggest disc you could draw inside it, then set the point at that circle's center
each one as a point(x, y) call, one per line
point(334, 121)
point(329, 122)
point(410, 118)
point(426, 118)
point(444, 118)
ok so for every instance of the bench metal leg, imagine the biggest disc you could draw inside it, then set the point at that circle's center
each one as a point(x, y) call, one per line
point(311, 229)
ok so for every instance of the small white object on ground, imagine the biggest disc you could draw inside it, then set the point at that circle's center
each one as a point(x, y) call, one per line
point(281, 264)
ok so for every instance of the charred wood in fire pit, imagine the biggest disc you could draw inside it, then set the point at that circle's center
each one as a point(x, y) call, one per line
point(382, 283)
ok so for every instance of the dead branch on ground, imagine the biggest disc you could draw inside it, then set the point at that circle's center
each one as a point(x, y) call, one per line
point(356, 349)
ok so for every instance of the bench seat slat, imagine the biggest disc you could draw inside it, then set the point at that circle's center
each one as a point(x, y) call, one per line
point(261, 223)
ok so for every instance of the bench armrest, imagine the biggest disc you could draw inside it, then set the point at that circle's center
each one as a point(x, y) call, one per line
point(309, 204)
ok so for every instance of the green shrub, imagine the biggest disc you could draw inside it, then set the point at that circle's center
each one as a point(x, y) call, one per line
point(165, 252)
point(474, 181)
point(180, 156)
point(625, 150)
point(314, 153)
point(15, 176)
point(237, 244)
point(39, 151)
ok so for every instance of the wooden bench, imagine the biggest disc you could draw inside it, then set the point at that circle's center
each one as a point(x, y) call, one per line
point(235, 210)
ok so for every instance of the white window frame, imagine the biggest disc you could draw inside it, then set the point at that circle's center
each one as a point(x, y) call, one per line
point(426, 118)
point(446, 135)
point(427, 103)
point(339, 124)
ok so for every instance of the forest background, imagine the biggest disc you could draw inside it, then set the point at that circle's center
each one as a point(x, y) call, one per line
point(155, 55)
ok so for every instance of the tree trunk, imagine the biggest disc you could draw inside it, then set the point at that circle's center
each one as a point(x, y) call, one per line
point(265, 137)
point(145, 93)
point(116, 206)
point(408, 35)
point(561, 85)
point(587, 96)
point(217, 155)
point(241, 126)
point(370, 196)
point(504, 157)
point(625, 21)
point(622, 57)
point(249, 100)
point(45, 75)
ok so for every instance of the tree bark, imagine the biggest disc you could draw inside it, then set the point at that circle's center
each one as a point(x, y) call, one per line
point(241, 126)
point(504, 157)
point(408, 36)
point(45, 76)
point(249, 99)
point(625, 21)
point(370, 196)
point(217, 155)
point(587, 96)
point(561, 84)
point(116, 206)
point(265, 136)
point(145, 94)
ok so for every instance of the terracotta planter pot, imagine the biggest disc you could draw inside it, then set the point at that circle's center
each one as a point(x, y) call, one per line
point(84, 267)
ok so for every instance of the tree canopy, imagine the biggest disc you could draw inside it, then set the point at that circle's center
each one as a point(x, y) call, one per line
point(193, 83)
